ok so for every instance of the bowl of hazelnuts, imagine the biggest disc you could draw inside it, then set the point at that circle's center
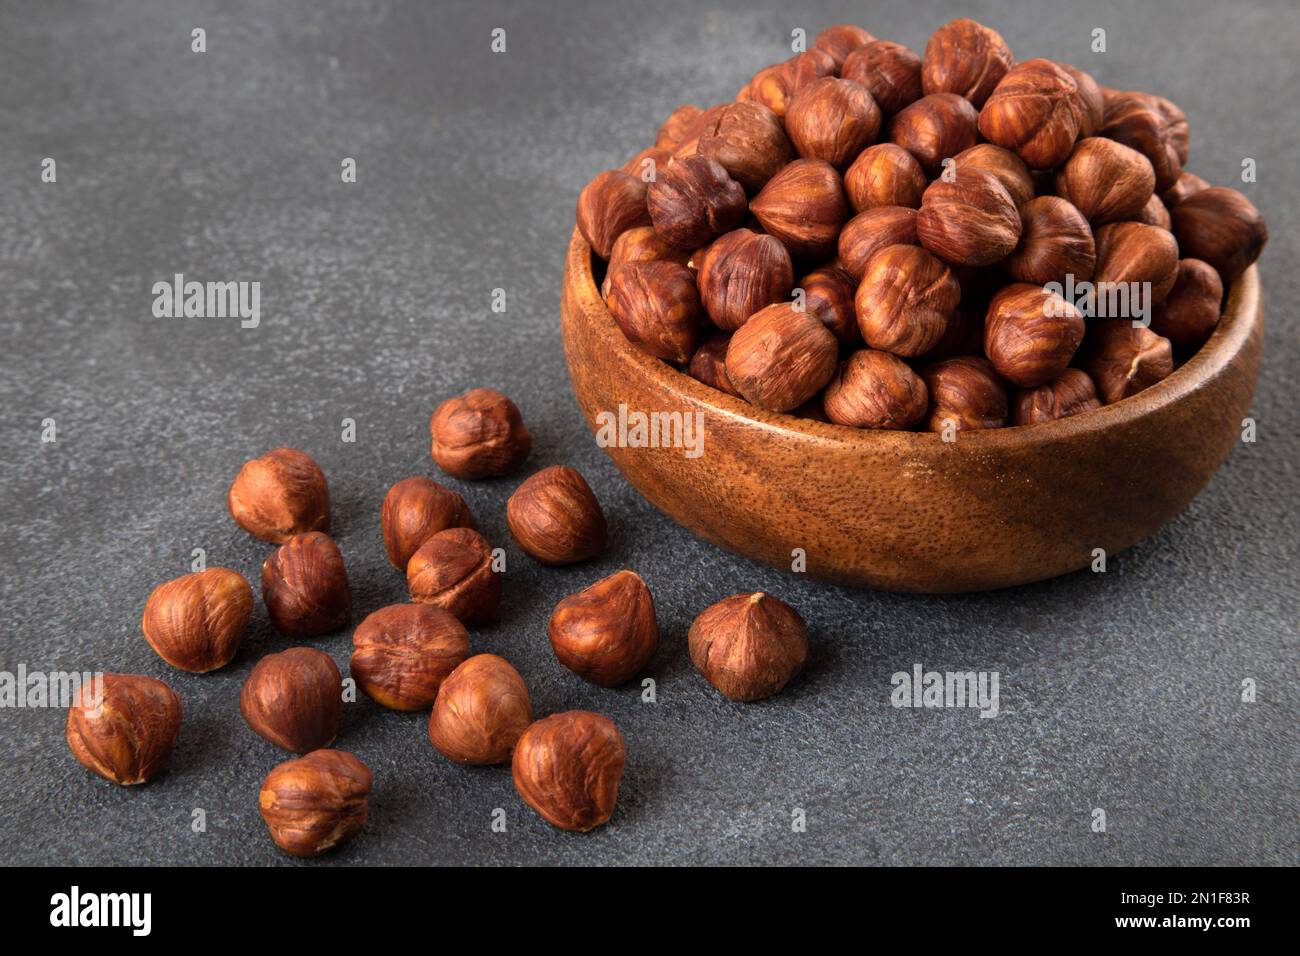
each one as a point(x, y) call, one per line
point(931, 322)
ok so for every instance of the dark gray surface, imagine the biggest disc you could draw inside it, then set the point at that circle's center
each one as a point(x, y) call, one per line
point(1119, 691)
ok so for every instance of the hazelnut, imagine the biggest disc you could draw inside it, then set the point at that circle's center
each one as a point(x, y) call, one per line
point(1107, 181)
point(1186, 185)
point(804, 206)
point(748, 646)
point(781, 358)
point(641, 244)
point(841, 40)
point(568, 766)
point(828, 295)
point(1093, 116)
point(281, 494)
point(1154, 127)
point(1055, 241)
point(1035, 111)
point(196, 622)
point(905, 300)
point(890, 71)
point(1155, 213)
point(743, 272)
point(645, 166)
point(555, 518)
point(606, 633)
point(453, 571)
point(748, 141)
point(481, 712)
point(965, 393)
point(1005, 166)
point(874, 389)
point(1124, 358)
point(124, 726)
point(709, 363)
point(1135, 252)
point(833, 120)
point(673, 130)
point(688, 145)
point(964, 334)
point(1222, 227)
point(479, 435)
point(970, 220)
point(414, 510)
point(868, 232)
point(305, 587)
point(657, 306)
point(402, 654)
point(693, 200)
point(966, 58)
point(314, 803)
point(1031, 334)
point(775, 86)
point(934, 128)
point(1070, 394)
point(884, 175)
point(1191, 310)
point(293, 699)
point(608, 206)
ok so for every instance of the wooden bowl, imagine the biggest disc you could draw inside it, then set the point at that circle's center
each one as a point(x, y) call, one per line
point(906, 511)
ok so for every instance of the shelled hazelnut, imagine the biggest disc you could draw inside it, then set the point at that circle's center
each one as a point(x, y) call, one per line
point(890, 71)
point(969, 219)
point(748, 141)
point(453, 570)
point(479, 435)
point(1130, 252)
point(1154, 127)
point(481, 711)
point(694, 200)
point(294, 699)
point(1155, 213)
point(804, 206)
point(965, 393)
point(833, 120)
point(1005, 166)
point(964, 334)
point(1031, 334)
point(1222, 227)
point(905, 300)
point(966, 58)
point(645, 166)
point(1123, 359)
point(776, 85)
point(935, 128)
point(124, 726)
point(607, 632)
point(709, 363)
point(740, 273)
point(1105, 180)
point(1191, 310)
point(1055, 241)
point(1093, 116)
point(749, 646)
point(402, 654)
point(196, 622)
point(841, 40)
point(657, 305)
point(689, 144)
point(873, 389)
point(279, 495)
point(828, 295)
point(640, 244)
point(305, 587)
point(868, 232)
point(673, 129)
point(555, 518)
point(1070, 394)
point(608, 206)
point(414, 510)
point(568, 767)
point(1187, 184)
point(781, 358)
point(884, 175)
point(315, 803)
point(1036, 112)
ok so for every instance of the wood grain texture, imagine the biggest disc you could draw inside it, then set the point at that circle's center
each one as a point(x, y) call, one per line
point(905, 511)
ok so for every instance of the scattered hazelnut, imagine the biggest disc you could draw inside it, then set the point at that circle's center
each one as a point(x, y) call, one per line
point(479, 435)
point(1123, 359)
point(1093, 116)
point(905, 300)
point(673, 129)
point(1005, 166)
point(775, 86)
point(970, 219)
point(1222, 227)
point(1055, 241)
point(935, 128)
point(657, 306)
point(743, 272)
point(1031, 334)
point(314, 803)
point(890, 71)
point(281, 494)
point(1191, 310)
point(196, 622)
point(414, 510)
point(1135, 252)
point(709, 363)
point(608, 206)
point(965, 393)
point(749, 646)
point(884, 175)
point(1105, 180)
point(804, 206)
point(781, 358)
point(1070, 394)
point(868, 232)
point(124, 726)
point(481, 712)
point(828, 295)
point(402, 654)
point(966, 58)
point(293, 699)
point(1035, 111)
point(748, 141)
point(568, 766)
point(1155, 213)
point(453, 571)
point(841, 40)
point(1186, 185)
point(305, 587)
point(555, 518)
point(1154, 127)
point(606, 633)
point(873, 389)
point(832, 120)
point(693, 200)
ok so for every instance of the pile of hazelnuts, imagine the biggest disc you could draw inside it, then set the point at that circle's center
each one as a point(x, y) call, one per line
point(417, 655)
point(878, 239)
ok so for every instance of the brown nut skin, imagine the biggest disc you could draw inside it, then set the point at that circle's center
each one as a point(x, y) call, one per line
point(873, 389)
point(1036, 112)
point(970, 220)
point(868, 232)
point(966, 392)
point(1123, 359)
point(481, 712)
point(748, 646)
point(935, 128)
point(804, 206)
point(294, 699)
point(748, 141)
point(1222, 227)
point(305, 587)
point(568, 766)
point(781, 358)
point(743, 272)
point(657, 306)
point(196, 622)
point(1093, 117)
point(1105, 180)
point(833, 120)
point(124, 726)
point(1031, 334)
point(841, 40)
point(884, 175)
point(453, 571)
point(673, 130)
point(607, 632)
point(1055, 241)
point(315, 803)
point(1070, 394)
point(1191, 310)
point(1155, 213)
point(479, 435)
point(645, 166)
point(402, 654)
point(1187, 184)
point(966, 58)
point(828, 295)
point(693, 200)
point(281, 494)
point(890, 71)
point(1153, 126)
point(414, 510)
point(963, 336)
point(609, 205)
point(641, 244)
point(1135, 252)
point(1005, 166)
point(775, 86)
point(709, 363)
point(555, 518)
point(905, 300)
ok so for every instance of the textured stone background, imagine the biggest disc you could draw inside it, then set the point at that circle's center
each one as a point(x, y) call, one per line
point(1119, 691)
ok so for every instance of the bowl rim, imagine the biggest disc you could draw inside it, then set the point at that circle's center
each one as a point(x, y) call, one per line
point(1240, 316)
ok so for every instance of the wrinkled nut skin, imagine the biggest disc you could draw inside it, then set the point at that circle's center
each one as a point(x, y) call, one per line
point(402, 654)
point(481, 712)
point(832, 120)
point(414, 510)
point(743, 272)
point(873, 389)
point(673, 130)
point(868, 232)
point(294, 699)
point(641, 244)
point(568, 766)
point(1093, 117)
point(453, 571)
point(279, 495)
point(608, 206)
point(905, 300)
point(1155, 213)
point(1124, 359)
point(555, 518)
point(709, 364)
point(315, 803)
point(1031, 334)
point(970, 220)
point(965, 393)
point(1222, 227)
point(775, 86)
point(1105, 180)
point(966, 58)
point(657, 305)
point(748, 141)
point(781, 358)
point(890, 71)
point(305, 587)
point(841, 40)
point(1135, 252)
point(1005, 166)
point(606, 633)
point(935, 128)
point(1055, 241)
point(828, 295)
point(1191, 310)
point(748, 646)
point(1036, 112)
point(1187, 184)
point(690, 141)
point(804, 206)
point(693, 200)
point(884, 175)
point(1154, 127)
point(124, 726)
point(1070, 394)
point(479, 435)
point(645, 166)
point(196, 622)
